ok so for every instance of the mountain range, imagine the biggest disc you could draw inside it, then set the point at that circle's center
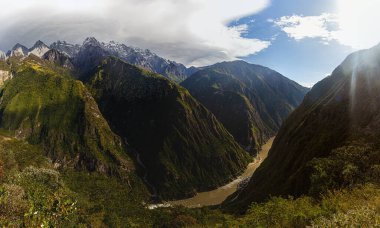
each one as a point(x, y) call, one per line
point(136, 56)
point(329, 142)
point(229, 109)
point(139, 105)
point(91, 134)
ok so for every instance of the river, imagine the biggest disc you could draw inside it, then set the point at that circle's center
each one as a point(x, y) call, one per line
point(217, 196)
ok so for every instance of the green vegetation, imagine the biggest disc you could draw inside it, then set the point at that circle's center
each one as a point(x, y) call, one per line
point(34, 193)
point(31, 191)
point(250, 100)
point(226, 97)
point(341, 208)
point(44, 107)
point(183, 148)
point(329, 142)
point(347, 166)
point(52, 136)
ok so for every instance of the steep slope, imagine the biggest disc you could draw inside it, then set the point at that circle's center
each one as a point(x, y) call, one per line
point(330, 141)
point(180, 145)
point(250, 100)
point(44, 106)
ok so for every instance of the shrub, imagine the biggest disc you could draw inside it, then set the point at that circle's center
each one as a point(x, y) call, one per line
point(12, 204)
point(50, 202)
point(280, 212)
point(183, 221)
point(347, 166)
point(365, 216)
point(1, 169)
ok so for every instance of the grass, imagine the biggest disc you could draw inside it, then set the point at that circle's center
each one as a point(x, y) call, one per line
point(46, 107)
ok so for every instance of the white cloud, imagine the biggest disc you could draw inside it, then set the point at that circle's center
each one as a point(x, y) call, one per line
point(193, 32)
point(301, 27)
point(355, 24)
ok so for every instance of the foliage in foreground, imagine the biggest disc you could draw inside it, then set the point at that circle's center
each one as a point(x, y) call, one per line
point(341, 208)
point(33, 193)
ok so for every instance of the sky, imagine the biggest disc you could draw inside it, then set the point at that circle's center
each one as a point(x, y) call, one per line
point(302, 39)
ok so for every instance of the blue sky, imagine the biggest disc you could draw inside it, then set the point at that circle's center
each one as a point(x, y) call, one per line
point(302, 39)
point(306, 61)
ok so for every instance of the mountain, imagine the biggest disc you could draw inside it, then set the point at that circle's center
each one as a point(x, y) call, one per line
point(68, 49)
point(43, 105)
point(252, 101)
point(330, 141)
point(88, 58)
point(39, 49)
point(179, 145)
point(142, 58)
point(149, 61)
point(58, 58)
point(18, 50)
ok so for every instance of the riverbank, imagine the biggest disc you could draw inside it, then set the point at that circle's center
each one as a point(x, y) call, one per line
point(217, 196)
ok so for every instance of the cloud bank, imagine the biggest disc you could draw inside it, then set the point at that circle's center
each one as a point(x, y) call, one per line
point(354, 25)
point(193, 32)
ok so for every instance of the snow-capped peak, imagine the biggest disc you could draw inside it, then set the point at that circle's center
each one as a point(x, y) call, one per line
point(69, 49)
point(91, 41)
point(39, 49)
point(18, 50)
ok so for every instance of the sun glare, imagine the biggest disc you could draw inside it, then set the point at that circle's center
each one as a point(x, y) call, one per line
point(357, 19)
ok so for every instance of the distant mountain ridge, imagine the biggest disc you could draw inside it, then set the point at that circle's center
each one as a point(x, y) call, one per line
point(252, 101)
point(136, 56)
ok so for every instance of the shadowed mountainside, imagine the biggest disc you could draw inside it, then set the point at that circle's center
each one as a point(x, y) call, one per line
point(181, 145)
point(330, 141)
point(250, 100)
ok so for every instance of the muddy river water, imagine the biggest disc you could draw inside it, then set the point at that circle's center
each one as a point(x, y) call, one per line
point(218, 195)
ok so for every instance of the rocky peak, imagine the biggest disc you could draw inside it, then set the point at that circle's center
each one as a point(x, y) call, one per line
point(18, 50)
point(39, 44)
point(58, 58)
point(69, 49)
point(39, 49)
point(91, 41)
